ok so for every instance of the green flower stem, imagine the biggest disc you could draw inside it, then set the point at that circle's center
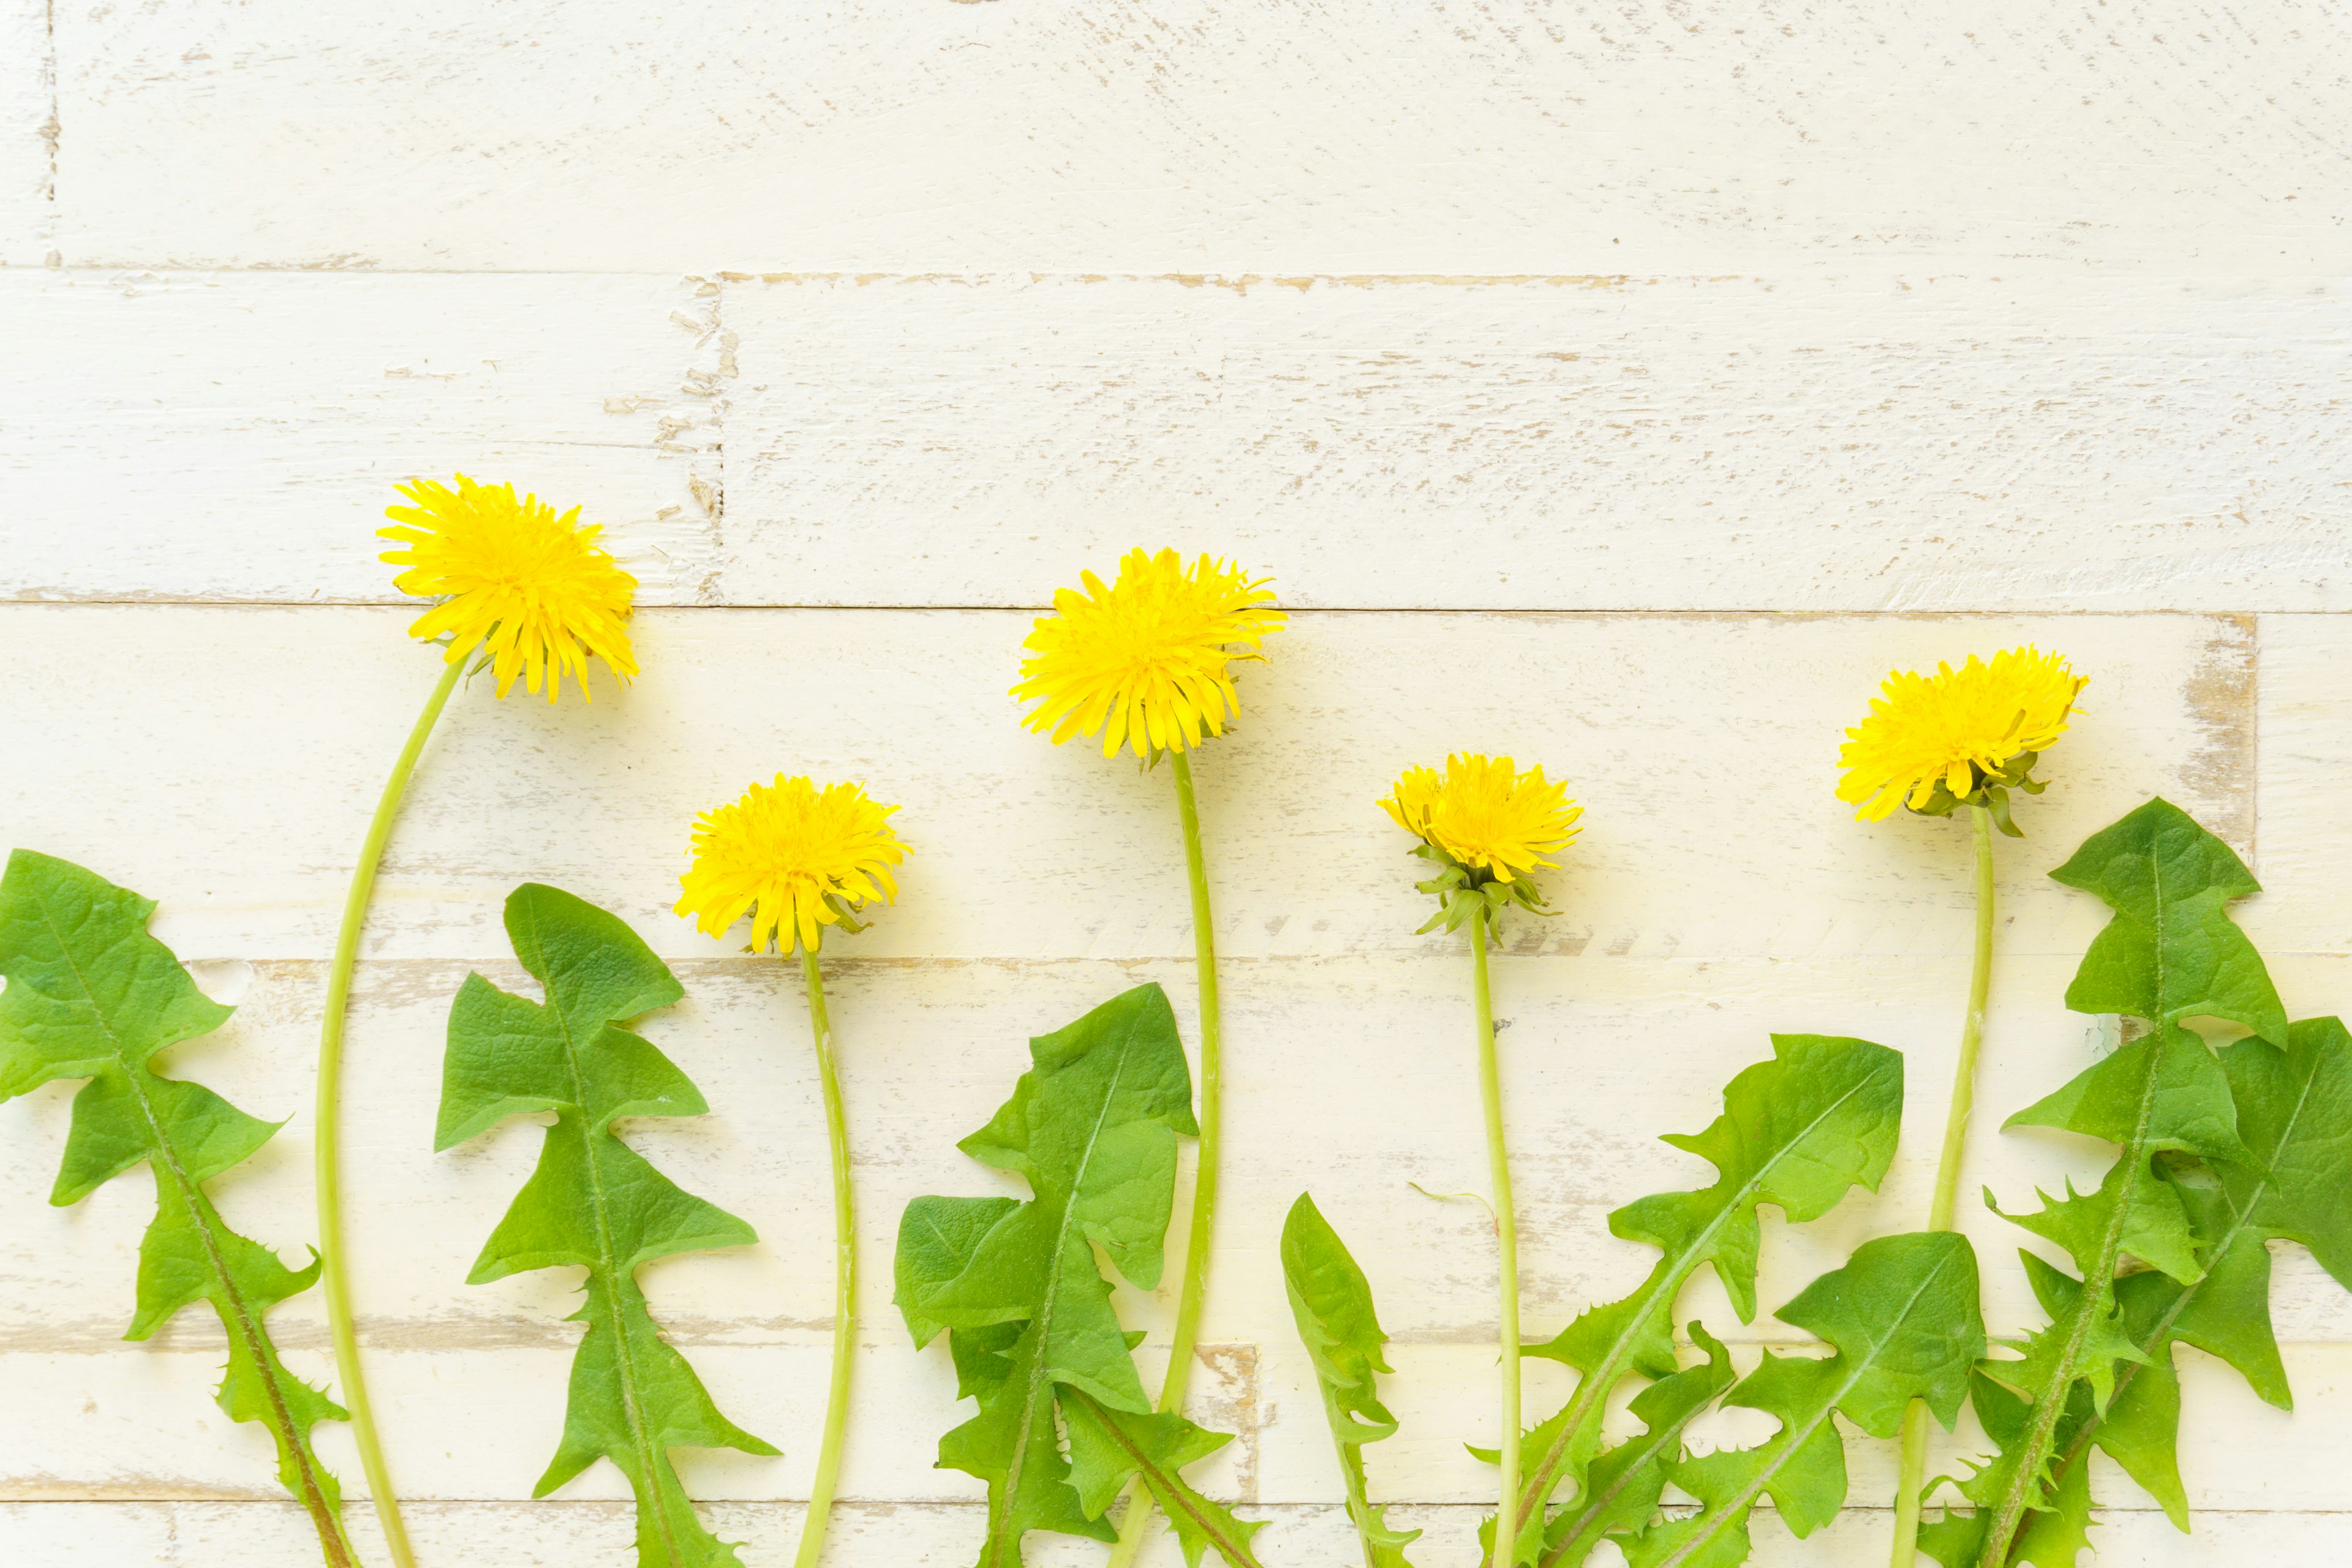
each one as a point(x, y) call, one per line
point(326, 1152)
point(1506, 1239)
point(1195, 1282)
point(844, 1276)
point(1948, 1181)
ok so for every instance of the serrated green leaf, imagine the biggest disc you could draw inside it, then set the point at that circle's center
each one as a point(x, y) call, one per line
point(2104, 1362)
point(1623, 1483)
point(2171, 951)
point(1110, 1447)
point(2294, 1114)
point(1092, 1127)
point(1798, 1132)
point(592, 1201)
point(1332, 1301)
point(91, 994)
point(1902, 1322)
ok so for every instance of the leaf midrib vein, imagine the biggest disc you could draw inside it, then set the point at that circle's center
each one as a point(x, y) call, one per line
point(1669, 1284)
point(630, 1406)
point(1788, 1439)
point(2242, 1220)
point(2098, 1291)
point(237, 1314)
point(1037, 1378)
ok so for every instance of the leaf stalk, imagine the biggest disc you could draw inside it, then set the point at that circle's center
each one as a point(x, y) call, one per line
point(1945, 1203)
point(327, 1150)
point(844, 1276)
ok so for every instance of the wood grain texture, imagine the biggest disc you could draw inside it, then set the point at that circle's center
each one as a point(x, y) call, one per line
point(2305, 746)
point(1860, 443)
point(1869, 442)
point(1704, 747)
point(1527, 136)
point(168, 436)
point(28, 133)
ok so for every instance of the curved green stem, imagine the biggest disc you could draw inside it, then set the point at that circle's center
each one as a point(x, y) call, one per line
point(326, 1152)
point(1506, 1239)
point(844, 1276)
point(1194, 1284)
point(1947, 1181)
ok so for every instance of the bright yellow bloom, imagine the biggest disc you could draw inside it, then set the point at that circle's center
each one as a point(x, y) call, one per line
point(1485, 814)
point(795, 857)
point(1144, 660)
point(536, 588)
point(1953, 728)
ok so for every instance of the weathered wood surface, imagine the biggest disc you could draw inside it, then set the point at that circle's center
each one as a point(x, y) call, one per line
point(1872, 441)
point(1199, 137)
point(1626, 389)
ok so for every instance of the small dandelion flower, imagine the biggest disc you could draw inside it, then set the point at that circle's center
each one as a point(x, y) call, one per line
point(1488, 827)
point(1933, 742)
point(534, 588)
point(1482, 812)
point(1144, 660)
point(795, 857)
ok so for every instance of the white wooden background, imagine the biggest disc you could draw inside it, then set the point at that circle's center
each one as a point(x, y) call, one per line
point(1623, 387)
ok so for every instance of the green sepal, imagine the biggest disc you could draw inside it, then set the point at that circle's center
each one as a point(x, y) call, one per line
point(1987, 788)
point(90, 994)
point(1092, 1128)
point(1902, 1322)
point(1464, 891)
point(1331, 1302)
point(592, 1201)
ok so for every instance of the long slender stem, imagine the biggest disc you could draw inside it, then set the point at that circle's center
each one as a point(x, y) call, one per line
point(1947, 1181)
point(1506, 1242)
point(1195, 1282)
point(326, 1152)
point(844, 1276)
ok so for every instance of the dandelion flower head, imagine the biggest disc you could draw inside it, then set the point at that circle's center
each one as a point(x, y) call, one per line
point(534, 588)
point(1959, 729)
point(795, 857)
point(1145, 660)
point(1485, 815)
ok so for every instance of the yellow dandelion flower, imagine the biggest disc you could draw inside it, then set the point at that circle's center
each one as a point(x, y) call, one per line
point(795, 857)
point(1961, 730)
point(1144, 660)
point(536, 588)
point(1485, 813)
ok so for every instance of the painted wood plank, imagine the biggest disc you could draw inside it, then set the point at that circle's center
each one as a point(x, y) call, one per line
point(1905, 442)
point(27, 134)
point(556, 1534)
point(238, 435)
point(2305, 843)
point(1667, 444)
point(1521, 137)
point(1704, 748)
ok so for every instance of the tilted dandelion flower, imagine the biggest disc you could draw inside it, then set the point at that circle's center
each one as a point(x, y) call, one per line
point(1145, 659)
point(1485, 815)
point(534, 588)
point(1961, 730)
point(795, 857)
